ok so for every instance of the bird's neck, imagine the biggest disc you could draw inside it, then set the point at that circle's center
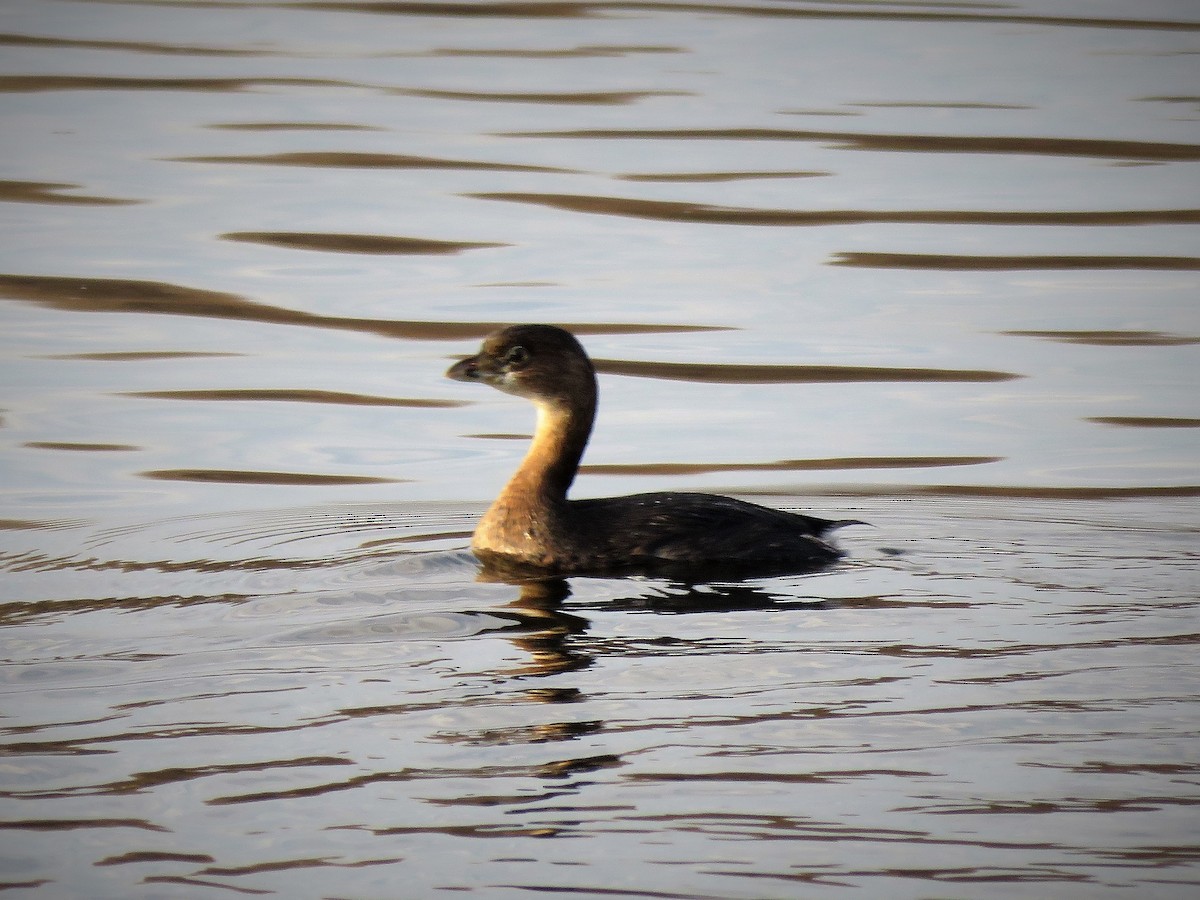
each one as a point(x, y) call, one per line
point(559, 439)
point(530, 517)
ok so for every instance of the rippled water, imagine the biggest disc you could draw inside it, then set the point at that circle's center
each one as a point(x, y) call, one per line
point(929, 265)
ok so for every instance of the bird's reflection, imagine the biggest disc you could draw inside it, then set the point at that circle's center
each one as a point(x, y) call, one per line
point(709, 597)
point(551, 636)
point(538, 609)
point(554, 642)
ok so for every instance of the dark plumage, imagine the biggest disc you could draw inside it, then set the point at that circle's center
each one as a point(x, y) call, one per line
point(532, 524)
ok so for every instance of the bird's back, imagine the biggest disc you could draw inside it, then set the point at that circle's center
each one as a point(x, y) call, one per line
point(694, 529)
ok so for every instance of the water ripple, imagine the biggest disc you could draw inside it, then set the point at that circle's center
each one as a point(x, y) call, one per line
point(750, 373)
point(1097, 148)
point(357, 243)
point(965, 263)
point(709, 214)
point(51, 192)
point(122, 295)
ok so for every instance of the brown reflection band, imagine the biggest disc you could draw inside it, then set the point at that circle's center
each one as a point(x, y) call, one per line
point(236, 476)
point(1145, 421)
point(22, 84)
point(291, 126)
point(26, 40)
point(505, 9)
point(1002, 263)
point(299, 396)
point(731, 373)
point(119, 295)
point(585, 51)
point(141, 355)
point(48, 192)
point(935, 105)
point(1111, 338)
point(518, 9)
point(1161, 151)
point(356, 243)
point(68, 445)
point(351, 160)
point(31, 525)
point(981, 491)
point(793, 465)
point(77, 824)
point(581, 98)
point(677, 211)
point(717, 177)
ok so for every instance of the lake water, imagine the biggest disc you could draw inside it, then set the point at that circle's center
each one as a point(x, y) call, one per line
point(928, 265)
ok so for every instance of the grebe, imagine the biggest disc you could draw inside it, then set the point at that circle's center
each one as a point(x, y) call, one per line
point(533, 525)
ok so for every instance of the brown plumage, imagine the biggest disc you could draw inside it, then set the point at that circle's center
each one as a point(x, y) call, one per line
point(532, 524)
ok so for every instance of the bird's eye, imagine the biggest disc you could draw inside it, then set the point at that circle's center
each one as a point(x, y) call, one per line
point(516, 357)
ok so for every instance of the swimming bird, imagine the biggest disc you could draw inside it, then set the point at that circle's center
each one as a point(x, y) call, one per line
point(533, 525)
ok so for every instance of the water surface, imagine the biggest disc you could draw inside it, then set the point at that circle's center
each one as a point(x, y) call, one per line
point(928, 265)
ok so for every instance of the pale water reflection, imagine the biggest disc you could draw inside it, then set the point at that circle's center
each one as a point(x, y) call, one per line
point(928, 265)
